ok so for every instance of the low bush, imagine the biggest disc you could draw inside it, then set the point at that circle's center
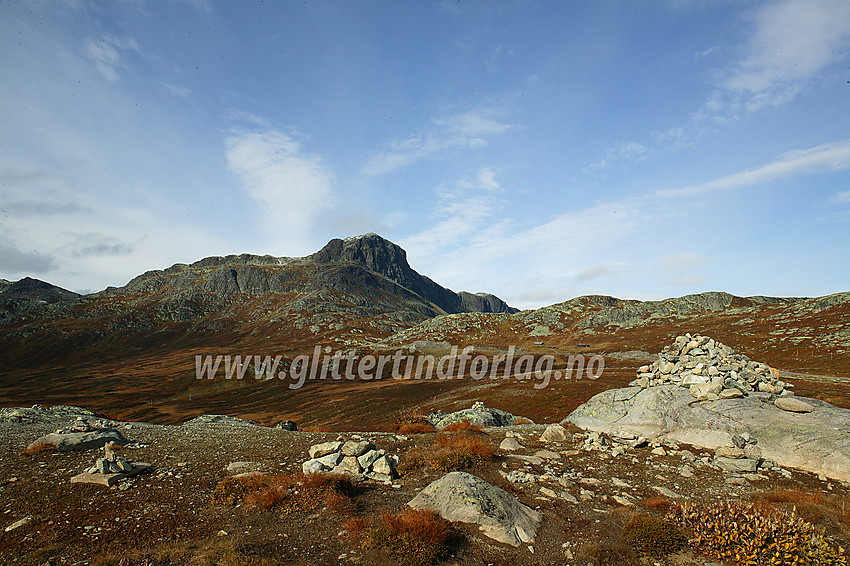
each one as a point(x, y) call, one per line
point(749, 534)
point(418, 537)
point(652, 536)
point(412, 421)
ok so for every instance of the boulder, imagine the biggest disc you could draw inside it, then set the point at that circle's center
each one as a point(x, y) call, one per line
point(793, 405)
point(77, 441)
point(818, 442)
point(325, 448)
point(460, 496)
point(554, 433)
point(510, 444)
point(356, 448)
point(476, 415)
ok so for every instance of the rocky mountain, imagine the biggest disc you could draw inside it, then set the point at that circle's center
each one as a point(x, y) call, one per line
point(30, 297)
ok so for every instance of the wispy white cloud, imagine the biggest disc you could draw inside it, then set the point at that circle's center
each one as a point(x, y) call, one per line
point(106, 54)
point(290, 185)
point(792, 43)
point(464, 129)
point(841, 197)
point(620, 153)
point(824, 157)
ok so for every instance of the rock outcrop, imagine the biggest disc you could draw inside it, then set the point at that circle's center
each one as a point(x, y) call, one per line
point(817, 441)
point(460, 496)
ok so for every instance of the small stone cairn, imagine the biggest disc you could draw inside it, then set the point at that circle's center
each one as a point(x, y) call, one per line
point(710, 370)
point(356, 457)
point(110, 468)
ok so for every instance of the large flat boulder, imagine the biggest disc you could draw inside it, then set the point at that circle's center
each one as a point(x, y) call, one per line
point(817, 441)
point(73, 441)
point(460, 496)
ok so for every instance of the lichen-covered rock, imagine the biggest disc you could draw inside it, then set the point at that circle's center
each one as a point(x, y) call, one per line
point(460, 496)
point(478, 415)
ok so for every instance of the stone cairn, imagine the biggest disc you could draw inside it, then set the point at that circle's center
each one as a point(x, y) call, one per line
point(710, 370)
point(110, 468)
point(357, 457)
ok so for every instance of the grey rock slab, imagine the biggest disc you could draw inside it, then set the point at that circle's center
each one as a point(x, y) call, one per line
point(355, 448)
point(367, 459)
point(331, 460)
point(78, 441)
point(313, 467)
point(818, 442)
point(325, 448)
point(460, 496)
point(737, 464)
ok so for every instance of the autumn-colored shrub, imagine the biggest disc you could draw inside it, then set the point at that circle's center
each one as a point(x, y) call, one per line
point(821, 508)
point(415, 428)
point(36, 447)
point(652, 536)
point(523, 420)
point(418, 537)
point(413, 421)
point(287, 493)
point(748, 534)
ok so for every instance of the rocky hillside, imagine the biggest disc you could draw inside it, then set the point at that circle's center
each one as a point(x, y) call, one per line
point(131, 351)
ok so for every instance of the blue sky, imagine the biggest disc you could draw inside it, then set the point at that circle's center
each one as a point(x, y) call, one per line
point(536, 150)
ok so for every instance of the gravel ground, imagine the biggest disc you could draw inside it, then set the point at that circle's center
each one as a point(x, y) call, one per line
point(80, 524)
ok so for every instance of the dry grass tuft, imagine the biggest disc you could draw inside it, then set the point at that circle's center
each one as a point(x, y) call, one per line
point(449, 452)
point(287, 493)
point(463, 426)
point(412, 421)
point(831, 511)
point(415, 428)
point(658, 503)
point(523, 420)
point(418, 536)
point(215, 552)
point(36, 447)
point(356, 527)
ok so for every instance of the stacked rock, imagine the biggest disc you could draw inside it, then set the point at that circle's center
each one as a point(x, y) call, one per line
point(110, 462)
point(357, 458)
point(710, 370)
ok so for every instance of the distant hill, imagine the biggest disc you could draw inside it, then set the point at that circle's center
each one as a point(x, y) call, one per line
point(130, 351)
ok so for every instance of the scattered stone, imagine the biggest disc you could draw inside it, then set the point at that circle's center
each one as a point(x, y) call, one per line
point(554, 433)
point(793, 405)
point(736, 464)
point(19, 523)
point(510, 444)
point(729, 452)
point(287, 425)
point(666, 492)
point(356, 448)
point(547, 455)
point(624, 501)
point(460, 496)
point(325, 448)
point(659, 451)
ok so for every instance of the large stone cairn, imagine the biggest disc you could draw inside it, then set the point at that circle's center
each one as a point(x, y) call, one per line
point(710, 370)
